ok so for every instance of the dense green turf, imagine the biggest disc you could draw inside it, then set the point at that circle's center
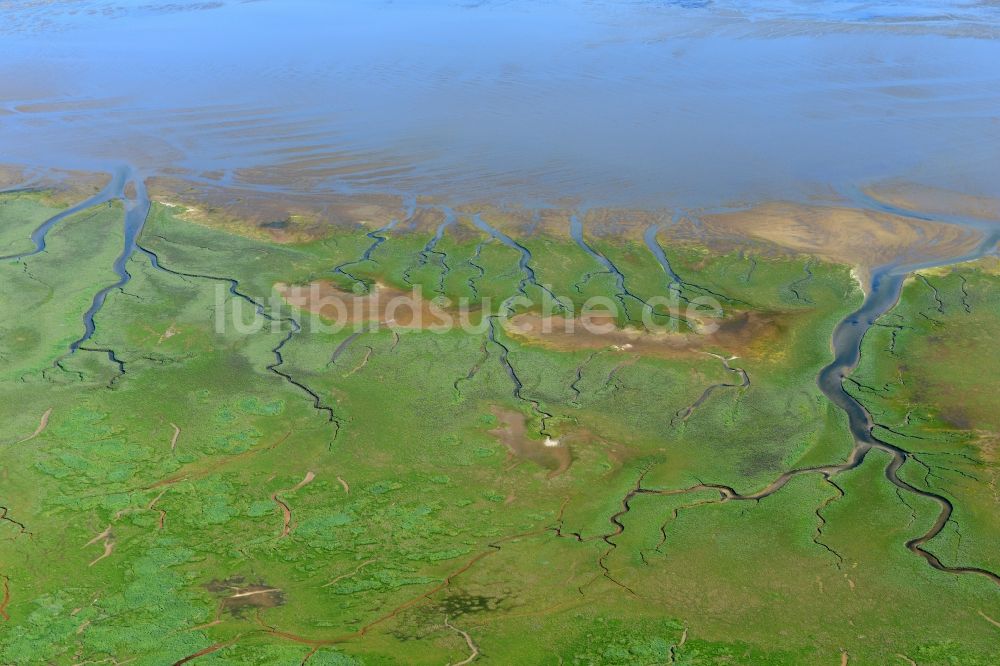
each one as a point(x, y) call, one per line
point(408, 520)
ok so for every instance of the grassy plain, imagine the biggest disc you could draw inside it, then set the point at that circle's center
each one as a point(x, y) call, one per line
point(360, 498)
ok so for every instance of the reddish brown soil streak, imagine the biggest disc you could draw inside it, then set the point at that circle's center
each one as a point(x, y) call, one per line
point(286, 513)
point(209, 650)
point(163, 514)
point(285, 509)
point(173, 440)
point(197, 474)
point(5, 601)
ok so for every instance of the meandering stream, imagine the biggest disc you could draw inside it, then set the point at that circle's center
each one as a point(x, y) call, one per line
point(883, 293)
point(112, 190)
point(136, 212)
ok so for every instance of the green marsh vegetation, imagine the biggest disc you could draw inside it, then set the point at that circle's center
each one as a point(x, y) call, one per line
point(366, 496)
point(929, 376)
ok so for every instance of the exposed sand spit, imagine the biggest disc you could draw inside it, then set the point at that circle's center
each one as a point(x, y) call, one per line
point(935, 201)
point(845, 235)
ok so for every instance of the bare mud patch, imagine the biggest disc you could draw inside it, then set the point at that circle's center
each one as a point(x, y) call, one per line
point(551, 454)
point(295, 217)
point(61, 187)
point(739, 334)
point(236, 595)
point(744, 333)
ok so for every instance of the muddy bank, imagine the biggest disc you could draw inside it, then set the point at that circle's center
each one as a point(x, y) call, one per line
point(63, 187)
point(258, 212)
point(743, 333)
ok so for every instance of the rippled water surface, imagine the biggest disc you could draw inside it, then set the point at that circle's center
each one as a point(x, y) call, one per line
point(689, 103)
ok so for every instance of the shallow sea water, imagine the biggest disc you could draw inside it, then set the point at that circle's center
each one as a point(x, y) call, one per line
point(686, 104)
